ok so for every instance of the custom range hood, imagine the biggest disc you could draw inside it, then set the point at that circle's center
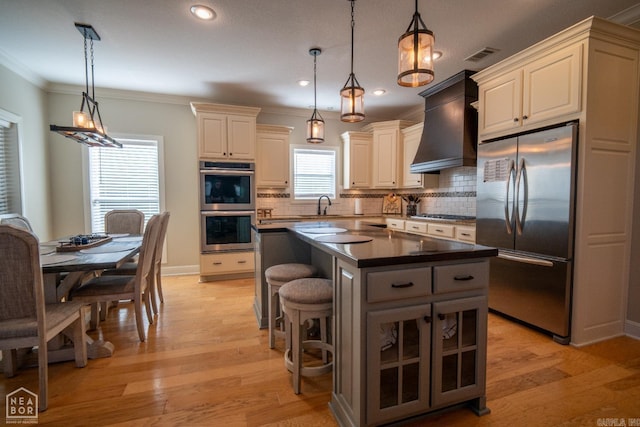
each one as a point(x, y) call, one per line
point(450, 133)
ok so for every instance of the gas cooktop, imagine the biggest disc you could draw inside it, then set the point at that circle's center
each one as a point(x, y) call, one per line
point(444, 217)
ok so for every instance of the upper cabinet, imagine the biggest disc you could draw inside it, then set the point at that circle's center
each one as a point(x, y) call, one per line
point(225, 132)
point(543, 89)
point(356, 159)
point(411, 139)
point(272, 147)
point(387, 153)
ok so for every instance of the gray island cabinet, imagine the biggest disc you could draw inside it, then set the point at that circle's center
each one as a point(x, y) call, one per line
point(410, 317)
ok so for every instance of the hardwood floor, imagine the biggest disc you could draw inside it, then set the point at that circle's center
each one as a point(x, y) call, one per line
point(205, 362)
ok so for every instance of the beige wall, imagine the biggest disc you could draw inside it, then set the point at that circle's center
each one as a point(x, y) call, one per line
point(174, 121)
point(27, 101)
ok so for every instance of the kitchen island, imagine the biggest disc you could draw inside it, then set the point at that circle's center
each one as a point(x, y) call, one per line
point(410, 315)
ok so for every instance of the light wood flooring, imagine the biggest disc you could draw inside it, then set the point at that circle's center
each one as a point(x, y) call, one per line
point(205, 363)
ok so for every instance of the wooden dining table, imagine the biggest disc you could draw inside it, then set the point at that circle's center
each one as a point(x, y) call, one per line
point(64, 270)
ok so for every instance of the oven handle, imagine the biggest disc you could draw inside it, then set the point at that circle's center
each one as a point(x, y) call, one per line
point(227, 213)
point(236, 172)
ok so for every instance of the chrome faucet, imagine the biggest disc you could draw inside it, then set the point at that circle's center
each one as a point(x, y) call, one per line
point(325, 208)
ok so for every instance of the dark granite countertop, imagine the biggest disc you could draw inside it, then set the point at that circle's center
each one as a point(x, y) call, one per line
point(386, 247)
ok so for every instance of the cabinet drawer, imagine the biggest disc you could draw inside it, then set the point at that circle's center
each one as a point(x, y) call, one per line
point(466, 234)
point(415, 227)
point(395, 224)
point(398, 284)
point(442, 230)
point(224, 263)
point(460, 277)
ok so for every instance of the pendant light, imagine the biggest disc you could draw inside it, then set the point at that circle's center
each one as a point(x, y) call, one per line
point(315, 125)
point(87, 126)
point(415, 54)
point(352, 95)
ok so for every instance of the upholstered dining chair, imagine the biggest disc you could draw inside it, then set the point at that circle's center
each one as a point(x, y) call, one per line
point(129, 268)
point(16, 220)
point(124, 221)
point(25, 320)
point(107, 288)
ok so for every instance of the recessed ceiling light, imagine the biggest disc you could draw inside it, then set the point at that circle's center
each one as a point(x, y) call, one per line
point(203, 12)
point(436, 55)
point(379, 92)
point(303, 83)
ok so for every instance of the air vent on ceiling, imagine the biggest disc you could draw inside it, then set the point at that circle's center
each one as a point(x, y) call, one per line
point(481, 54)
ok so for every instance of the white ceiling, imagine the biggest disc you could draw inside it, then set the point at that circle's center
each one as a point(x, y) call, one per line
point(256, 50)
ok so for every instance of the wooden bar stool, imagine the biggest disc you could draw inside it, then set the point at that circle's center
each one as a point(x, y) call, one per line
point(301, 300)
point(278, 275)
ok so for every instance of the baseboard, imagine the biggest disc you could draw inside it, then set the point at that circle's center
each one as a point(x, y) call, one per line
point(181, 270)
point(632, 329)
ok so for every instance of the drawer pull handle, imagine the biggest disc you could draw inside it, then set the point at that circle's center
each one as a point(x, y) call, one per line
point(415, 227)
point(439, 230)
point(402, 285)
point(242, 261)
point(466, 234)
point(463, 278)
point(441, 316)
point(217, 263)
point(427, 319)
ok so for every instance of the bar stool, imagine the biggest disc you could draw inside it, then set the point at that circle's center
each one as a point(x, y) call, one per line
point(301, 300)
point(278, 275)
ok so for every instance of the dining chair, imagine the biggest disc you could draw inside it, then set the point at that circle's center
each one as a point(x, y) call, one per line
point(129, 268)
point(107, 288)
point(25, 320)
point(17, 220)
point(124, 221)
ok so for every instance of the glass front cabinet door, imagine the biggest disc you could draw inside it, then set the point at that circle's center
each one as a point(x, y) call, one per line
point(459, 350)
point(398, 350)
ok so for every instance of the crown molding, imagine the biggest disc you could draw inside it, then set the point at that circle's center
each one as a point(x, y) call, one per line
point(630, 16)
point(18, 68)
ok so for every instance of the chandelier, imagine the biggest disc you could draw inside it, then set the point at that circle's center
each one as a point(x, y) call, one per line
point(315, 125)
point(87, 126)
point(415, 54)
point(352, 94)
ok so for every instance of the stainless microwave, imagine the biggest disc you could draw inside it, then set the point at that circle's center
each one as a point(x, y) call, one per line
point(227, 186)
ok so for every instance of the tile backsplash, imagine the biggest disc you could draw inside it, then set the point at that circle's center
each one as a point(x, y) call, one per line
point(455, 195)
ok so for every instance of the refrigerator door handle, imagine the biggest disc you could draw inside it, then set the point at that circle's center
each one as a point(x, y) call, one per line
point(522, 176)
point(527, 260)
point(508, 217)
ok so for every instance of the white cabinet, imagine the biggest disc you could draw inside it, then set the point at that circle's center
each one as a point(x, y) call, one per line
point(543, 89)
point(226, 263)
point(225, 132)
point(387, 153)
point(463, 233)
point(411, 139)
point(356, 159)
point(395, 224)
point(272, 160)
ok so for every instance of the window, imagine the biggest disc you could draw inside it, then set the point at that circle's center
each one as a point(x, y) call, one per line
point(314, 173)
point(10, 186)
point(125, 178)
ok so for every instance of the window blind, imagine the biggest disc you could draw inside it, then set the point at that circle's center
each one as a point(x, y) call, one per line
point(314, 173)
point(10, 200)
point(125, 178)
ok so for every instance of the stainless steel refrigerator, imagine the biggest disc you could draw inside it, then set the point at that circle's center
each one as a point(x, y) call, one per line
point(525, 208)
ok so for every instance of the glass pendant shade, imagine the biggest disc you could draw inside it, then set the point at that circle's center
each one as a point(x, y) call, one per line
point(352, 101)
point(415, 54)
point(315, 125)
point(315, 129)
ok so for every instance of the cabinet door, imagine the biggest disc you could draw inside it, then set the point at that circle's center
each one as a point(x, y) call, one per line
point(359, 164)
point(459, 350)
point(552, 85)
point(212, 135)
point(241, 132)
point(272, 160)
point(226, 263)
point(398, 355)
point(385, 158)
point(410, 143)
point(500, 103)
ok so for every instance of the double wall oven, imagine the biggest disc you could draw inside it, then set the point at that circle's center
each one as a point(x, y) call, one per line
point(227, 206)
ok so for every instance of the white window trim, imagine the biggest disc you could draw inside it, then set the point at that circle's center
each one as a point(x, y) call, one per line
point(314, 202)
point(17, 120)
point(86, 190)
